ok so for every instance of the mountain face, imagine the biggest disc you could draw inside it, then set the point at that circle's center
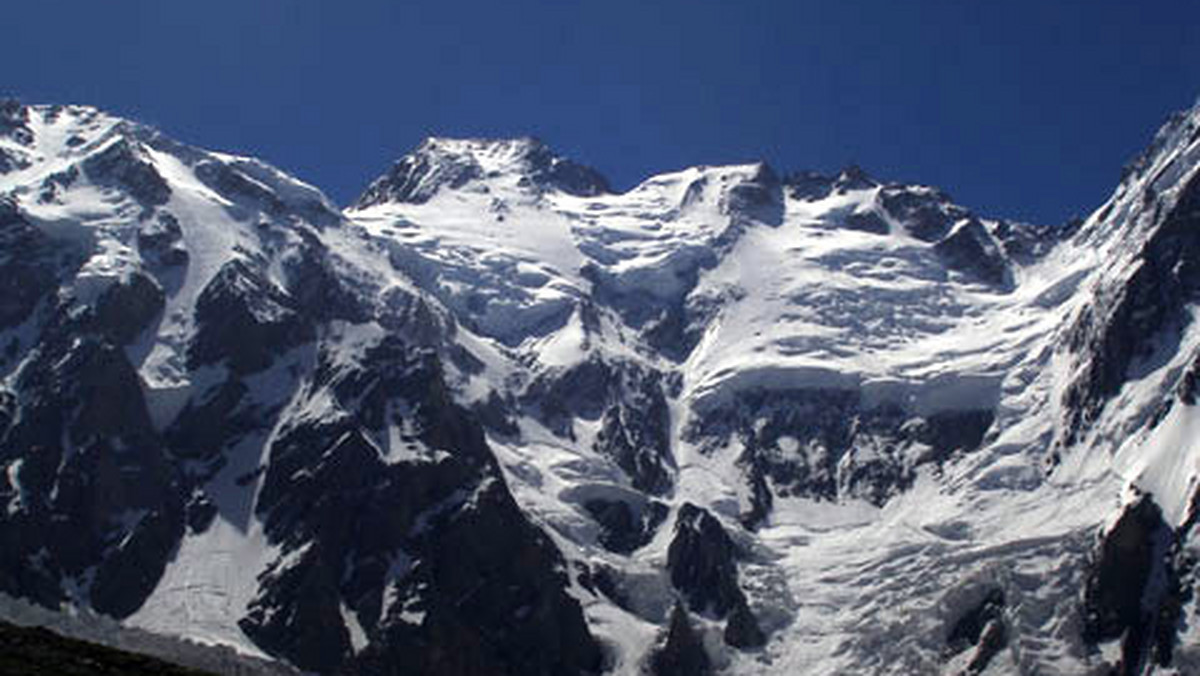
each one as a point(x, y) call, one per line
point(498, 418)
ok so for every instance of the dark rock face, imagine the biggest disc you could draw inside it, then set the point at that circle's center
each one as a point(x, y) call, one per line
point(14, 121)
point(853, 178)
point(885, 443)
point(608, 581)
point(412, 317)
point(948, 432)
point(635, 431)
point(550, 170)
point(312, 636)
point(742, 630)
point(820, 418)
point(495, 413)
point(762, 500)
point(231, 183)
point(983, 628)
point(694, 193)
point(27, 267)
point(1025, 244)
point(494, 604)
point(928, 216)
point(760, 198)
point(54, 184)
point(320, 293)
point(160, 241)
point(418, 176)
point(581, 391)
point(672, 326)
point(630, 402)
point(96, 489)
point(1125, 325)
point(129, 574)
point(12, 160)
point(1128, 592)
point(702, 560)
point(675, 331)
point(993, 639)
point(432, 555)
point(245, 319)
point(1188, 388)
point(809, 185)
point(703, 563)
point(625, 528)
point(867, 221)
point(971, 250)
point(126, 308)
point(210, 423)
point(200, 513)
point(122, 166)
point(682, 654)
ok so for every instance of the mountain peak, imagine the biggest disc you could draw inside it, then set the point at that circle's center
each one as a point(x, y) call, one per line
point(484, 148)
point(441, 161)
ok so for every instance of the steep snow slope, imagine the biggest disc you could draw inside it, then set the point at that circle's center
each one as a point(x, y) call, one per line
point(761, 300)
point(497, 418)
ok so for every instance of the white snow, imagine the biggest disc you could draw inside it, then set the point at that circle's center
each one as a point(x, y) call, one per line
point(208, 585)
point(358, 637)
point(844, 587)
point(13, 474)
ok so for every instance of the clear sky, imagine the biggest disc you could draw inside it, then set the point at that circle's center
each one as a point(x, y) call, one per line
point(1021, 108)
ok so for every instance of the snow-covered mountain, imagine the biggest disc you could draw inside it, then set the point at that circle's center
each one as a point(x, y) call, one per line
point(497, 418)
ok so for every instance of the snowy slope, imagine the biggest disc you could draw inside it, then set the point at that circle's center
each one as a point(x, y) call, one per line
point(787, 293)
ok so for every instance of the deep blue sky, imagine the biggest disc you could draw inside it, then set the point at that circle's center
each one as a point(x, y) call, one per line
point(1022, 108)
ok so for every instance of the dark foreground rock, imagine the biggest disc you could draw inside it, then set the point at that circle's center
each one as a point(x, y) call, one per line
point(682, 654)
point(36, 651)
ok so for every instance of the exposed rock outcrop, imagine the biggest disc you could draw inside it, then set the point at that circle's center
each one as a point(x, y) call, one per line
point(1128, 589)
point(702, 560)
point(981, 628)
point(1126, 324)
point(682, 653)
point(121, 165)
point(243, 318)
